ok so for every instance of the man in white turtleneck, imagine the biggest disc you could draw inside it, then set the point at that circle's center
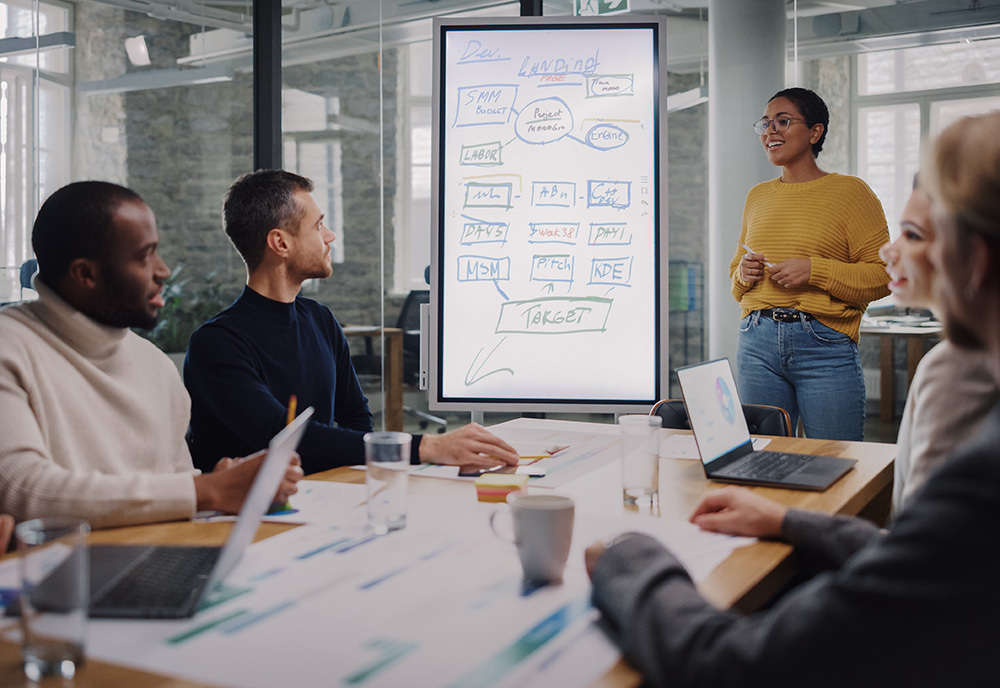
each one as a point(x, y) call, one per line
point(92, 416)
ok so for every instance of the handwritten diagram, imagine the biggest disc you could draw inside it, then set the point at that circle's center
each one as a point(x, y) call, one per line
point(549, 220)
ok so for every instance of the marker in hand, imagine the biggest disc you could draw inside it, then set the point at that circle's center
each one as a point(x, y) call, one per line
point(278, 507)
point(752, 251)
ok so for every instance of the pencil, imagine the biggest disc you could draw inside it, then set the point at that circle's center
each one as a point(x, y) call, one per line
point(752, 251)
point(276, 507)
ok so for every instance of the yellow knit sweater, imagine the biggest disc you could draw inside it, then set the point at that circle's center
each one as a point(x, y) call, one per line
point(835, 221)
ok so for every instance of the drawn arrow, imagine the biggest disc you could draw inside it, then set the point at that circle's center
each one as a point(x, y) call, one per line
point(497, 285)
point(474, 376)
point(548, 288)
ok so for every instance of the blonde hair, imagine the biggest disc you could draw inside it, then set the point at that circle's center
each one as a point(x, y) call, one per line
point(963, 173)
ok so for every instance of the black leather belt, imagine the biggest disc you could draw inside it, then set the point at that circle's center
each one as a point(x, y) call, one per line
point(784, 314)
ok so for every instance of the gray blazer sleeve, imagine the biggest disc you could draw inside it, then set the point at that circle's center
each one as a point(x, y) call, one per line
point(825, 542)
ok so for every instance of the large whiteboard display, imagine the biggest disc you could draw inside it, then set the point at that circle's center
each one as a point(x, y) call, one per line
point(550, 214)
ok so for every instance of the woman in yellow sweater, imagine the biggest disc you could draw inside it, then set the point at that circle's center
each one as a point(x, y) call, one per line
point(804, 273)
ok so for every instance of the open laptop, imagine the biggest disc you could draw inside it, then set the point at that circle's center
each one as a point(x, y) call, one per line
point(168, 582)
point(720, 430)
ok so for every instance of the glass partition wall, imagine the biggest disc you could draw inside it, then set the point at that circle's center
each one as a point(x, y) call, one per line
point(157, 95)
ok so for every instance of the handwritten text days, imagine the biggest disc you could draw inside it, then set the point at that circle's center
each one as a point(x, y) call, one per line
point(484, 233)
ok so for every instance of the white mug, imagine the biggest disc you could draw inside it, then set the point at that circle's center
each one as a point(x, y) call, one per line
point(543, 533)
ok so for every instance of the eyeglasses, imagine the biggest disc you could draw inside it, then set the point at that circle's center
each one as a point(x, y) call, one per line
point(780, 124)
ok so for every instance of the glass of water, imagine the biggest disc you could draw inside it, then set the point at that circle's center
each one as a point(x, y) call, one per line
point(640, 459)
point(387, 458)
point(55, 595)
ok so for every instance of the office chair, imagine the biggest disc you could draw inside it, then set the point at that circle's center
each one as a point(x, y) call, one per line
point(761, 419)
point(28, 270)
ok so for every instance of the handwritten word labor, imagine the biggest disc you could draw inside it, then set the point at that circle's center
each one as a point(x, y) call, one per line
point(481, 154)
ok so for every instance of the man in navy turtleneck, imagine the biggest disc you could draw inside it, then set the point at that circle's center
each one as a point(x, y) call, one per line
point(244, 364)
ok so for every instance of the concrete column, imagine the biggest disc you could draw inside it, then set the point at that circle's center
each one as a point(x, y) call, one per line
point(746, 63)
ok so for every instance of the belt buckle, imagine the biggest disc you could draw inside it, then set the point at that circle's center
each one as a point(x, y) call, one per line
point(784, 316)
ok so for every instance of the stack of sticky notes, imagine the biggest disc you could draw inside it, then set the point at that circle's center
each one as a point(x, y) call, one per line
point(494, 487)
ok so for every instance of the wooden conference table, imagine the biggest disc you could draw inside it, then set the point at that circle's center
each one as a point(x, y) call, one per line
point(745, 581)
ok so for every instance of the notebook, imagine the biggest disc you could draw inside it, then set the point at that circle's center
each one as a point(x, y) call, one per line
point(169, 582)
point(720, 431)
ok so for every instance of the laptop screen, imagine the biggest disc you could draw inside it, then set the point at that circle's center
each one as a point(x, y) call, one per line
point(714, 408)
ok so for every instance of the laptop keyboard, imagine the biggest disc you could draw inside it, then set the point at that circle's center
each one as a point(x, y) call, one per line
point(767, 466)
point(164, 580)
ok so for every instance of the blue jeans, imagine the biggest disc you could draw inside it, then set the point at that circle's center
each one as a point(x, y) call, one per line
point(807, 369)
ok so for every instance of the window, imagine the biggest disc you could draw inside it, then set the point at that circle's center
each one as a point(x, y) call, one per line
point(313, 149)
point(413, 231)
point(34, 158)
point(906, 95)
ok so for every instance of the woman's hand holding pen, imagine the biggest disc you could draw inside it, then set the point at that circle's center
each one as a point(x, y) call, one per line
point(752, 267)
point(794, 272)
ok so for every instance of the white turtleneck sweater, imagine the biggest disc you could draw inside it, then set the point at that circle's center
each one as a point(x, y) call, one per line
point(92, 420)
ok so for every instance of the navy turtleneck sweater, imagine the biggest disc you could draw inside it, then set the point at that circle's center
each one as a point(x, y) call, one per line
point(242, 367)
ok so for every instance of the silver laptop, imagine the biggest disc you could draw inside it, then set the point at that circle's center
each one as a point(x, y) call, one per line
point(169, 582)
point(720, 430)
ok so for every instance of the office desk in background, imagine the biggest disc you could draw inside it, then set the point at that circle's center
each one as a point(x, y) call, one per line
point(744, 581)
point(916, 337)
point(392, 354)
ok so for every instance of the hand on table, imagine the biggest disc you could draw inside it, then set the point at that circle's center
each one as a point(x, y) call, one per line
point(739, 511)
point(472, 445)
point(793, 272)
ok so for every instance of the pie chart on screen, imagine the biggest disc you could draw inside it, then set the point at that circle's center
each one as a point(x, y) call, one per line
point(725, 399)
